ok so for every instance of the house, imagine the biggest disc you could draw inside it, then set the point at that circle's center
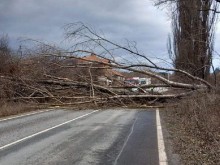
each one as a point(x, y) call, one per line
point(137, 81)
point(101, 70)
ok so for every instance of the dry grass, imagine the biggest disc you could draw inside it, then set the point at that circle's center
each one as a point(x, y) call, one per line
point(194, 126)
point(11, 108)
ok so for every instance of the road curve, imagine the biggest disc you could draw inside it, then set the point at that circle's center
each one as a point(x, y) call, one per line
point(105, 137)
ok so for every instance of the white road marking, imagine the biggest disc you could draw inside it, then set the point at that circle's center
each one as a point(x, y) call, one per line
point(161, 147)
point(26, 114)
point(46, 130)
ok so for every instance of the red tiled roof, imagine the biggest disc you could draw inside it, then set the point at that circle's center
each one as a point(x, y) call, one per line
point(117, 73)
point(95, 58)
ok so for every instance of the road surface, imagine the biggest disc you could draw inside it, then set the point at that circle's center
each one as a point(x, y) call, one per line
point(105, 137)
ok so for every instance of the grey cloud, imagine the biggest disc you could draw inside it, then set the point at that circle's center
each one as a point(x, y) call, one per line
point(135, 20)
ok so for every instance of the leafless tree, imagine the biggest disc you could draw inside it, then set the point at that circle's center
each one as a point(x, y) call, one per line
point(193, 35)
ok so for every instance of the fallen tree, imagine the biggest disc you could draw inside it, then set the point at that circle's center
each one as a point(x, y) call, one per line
point(63, 77)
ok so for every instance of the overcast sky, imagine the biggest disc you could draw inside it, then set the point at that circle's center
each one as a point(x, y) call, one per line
point(135, 20)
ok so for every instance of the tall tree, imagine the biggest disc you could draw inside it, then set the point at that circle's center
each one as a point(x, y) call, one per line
point(193, 34)
point(5, 53)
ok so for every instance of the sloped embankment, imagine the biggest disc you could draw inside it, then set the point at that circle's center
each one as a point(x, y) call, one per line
point(194, 129)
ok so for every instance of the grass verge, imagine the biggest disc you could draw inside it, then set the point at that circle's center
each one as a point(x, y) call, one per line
point(194, 128)
point(14, 108)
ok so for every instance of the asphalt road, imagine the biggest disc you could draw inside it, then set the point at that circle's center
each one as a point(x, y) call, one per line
point(123, 137)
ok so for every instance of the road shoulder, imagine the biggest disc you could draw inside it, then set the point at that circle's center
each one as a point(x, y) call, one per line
point(172, 157)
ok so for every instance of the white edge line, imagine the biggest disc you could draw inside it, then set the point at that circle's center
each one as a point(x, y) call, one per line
point(26, 114)
point(48, 129)
point(160, 140)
